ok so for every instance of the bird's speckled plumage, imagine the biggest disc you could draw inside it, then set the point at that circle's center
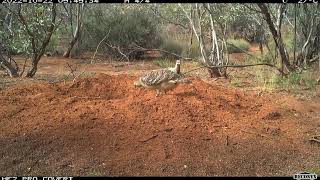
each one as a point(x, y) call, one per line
point(162, 79)
point(157, 77)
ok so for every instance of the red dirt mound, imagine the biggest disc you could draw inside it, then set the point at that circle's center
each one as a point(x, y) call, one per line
point(106, 126)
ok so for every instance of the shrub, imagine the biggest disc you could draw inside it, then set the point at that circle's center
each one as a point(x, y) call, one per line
point(194, 50)
point(126, 25)
point(292, 81)
point(240, 45)
point(172, 45)
point(178, 43)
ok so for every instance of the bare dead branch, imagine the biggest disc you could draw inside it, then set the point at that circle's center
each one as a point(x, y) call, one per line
point(94, 55)
point(249, 132)
point(315, 138)
point(119, 50)
point(158, 14)
point(316, 58)
point(161, 50)
point(72, 70)
point(251, 8)
point(237, 66)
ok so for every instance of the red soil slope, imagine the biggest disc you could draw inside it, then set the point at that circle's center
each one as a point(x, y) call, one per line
point(106, 126)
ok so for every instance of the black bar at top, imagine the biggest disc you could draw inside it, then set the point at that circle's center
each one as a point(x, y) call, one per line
point(208, 1)
point(159, 1)
point(219, 1)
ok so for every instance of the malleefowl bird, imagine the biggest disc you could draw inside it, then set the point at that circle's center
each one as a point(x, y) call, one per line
point(160, 80)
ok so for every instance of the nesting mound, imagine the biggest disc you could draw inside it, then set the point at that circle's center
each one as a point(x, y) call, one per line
point(105, 125)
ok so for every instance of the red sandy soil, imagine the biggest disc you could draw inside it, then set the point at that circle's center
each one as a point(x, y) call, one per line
point(242, 57)
point(103, 125)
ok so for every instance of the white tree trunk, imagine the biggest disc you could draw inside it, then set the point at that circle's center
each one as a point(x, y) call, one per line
point(213, 57)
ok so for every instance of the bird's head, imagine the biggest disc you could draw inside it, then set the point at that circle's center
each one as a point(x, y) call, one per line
point(176, 69)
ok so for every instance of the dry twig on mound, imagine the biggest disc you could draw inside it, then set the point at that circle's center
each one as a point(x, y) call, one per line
point(315, 138)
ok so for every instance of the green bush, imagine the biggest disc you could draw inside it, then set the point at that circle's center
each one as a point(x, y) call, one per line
point(292, 81)
point(178, 43)
point(240, 45)
point(172, 45)
point(303, 79)
point(194, 50)
point(267, 58)
point(125, 25)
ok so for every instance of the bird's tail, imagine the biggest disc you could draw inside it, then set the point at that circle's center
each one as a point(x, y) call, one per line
point(184, 81)
point(137, 84)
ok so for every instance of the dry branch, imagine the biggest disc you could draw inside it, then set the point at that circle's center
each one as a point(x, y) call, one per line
point(94, 55)
point(71, 70)
point(161, 50)
point(79, 97)
point(236, 66)
point(249, 132)
point(158, 14)
point(315, 138)
point(148, 139)
point(119, 50)
point(75, 78)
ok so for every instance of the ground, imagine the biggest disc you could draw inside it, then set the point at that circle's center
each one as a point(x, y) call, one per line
point(101, 125)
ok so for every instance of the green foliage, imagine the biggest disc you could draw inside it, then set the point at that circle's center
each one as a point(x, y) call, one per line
point(236, 83)
point(303, 79)
point(178, 43)
point(194, 50)
point(292, 81)
point(164, 63)
point(267, 58)
point(38, 19)
point(172, 45)
point(241, 45)
point(124, 25)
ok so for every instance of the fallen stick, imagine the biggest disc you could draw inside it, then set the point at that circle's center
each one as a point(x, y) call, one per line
point(249, 132)
point(152, 137)
point(94, 55)
point(227, 141)
point(315, 138)
point(236, 66)
point(86, 97)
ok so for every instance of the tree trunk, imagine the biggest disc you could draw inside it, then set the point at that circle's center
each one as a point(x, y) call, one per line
point(214, 72)
point(261, 47)
point(77, 31)
point(210, 57)
point(38, 53)
point(276, 37)
point(11, 70)
point(34, 67)
point(7, 63)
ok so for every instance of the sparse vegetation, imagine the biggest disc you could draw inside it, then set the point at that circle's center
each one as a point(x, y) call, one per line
point(237, 45)
point(164, 62)
point(172, 45)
